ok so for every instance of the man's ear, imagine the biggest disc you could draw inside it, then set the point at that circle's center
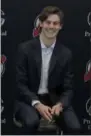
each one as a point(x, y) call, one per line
point(41, 24)
point(61, 26)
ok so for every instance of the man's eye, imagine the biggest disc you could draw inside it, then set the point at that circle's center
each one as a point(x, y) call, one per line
point(56, 23)
point(48, 22)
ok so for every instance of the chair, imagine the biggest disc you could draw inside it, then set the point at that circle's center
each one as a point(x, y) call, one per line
point(44, 128)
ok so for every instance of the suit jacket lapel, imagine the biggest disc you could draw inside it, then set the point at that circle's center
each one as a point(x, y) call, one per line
point(54, 57)
point(38, 55)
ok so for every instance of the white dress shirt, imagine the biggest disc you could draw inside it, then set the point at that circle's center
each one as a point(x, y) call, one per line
point(46, 56)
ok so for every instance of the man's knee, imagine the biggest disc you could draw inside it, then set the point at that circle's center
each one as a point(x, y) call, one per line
point(27, 120)
point(32, 123)
point(75, 129)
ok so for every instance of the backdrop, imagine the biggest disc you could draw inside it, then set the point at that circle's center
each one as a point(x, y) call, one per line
point(17, 23)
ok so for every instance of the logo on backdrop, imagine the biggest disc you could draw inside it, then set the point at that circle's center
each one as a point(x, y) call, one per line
point(3, 119)
point(4, 32)
point(2, 18)
point(87, 75)
point(87, 121)
point(36, 29)
point(87, 78)
point(88, 34)
point(88, 106)
point(89, 18)
point(3, 60)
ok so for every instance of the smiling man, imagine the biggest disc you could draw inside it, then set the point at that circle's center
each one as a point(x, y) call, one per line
point(44, 76)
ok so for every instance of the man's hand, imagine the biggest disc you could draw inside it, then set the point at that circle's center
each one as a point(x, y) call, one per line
point(45, 111)
point(56, 109)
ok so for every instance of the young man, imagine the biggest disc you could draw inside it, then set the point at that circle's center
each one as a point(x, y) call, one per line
point(44, 76)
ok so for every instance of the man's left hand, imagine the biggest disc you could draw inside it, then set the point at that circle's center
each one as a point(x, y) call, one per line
point(56, 109)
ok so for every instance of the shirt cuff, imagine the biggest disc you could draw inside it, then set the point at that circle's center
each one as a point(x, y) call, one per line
point(35, 102)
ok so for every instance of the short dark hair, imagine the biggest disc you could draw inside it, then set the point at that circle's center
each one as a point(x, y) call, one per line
point(51, 10)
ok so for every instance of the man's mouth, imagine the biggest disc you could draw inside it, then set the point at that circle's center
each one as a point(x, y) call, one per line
point(50, 31)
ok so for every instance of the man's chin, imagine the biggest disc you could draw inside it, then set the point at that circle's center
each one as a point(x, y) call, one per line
point(51, 36)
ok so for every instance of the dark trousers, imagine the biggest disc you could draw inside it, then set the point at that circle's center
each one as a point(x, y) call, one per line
point(30, 118)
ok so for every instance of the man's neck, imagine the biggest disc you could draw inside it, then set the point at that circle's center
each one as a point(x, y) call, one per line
point(47, 42)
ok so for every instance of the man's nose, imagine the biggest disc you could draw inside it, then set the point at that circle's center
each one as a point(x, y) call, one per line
point(51, 25)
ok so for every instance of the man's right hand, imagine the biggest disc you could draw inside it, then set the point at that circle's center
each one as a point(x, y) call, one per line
point(45, 111)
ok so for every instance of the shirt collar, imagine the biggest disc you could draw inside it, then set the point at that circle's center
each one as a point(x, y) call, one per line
point(44, 46)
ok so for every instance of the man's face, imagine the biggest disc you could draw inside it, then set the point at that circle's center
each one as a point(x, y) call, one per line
point(51, 26)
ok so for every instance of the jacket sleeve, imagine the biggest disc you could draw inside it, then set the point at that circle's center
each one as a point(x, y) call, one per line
point(67, 94)
point(23, 92)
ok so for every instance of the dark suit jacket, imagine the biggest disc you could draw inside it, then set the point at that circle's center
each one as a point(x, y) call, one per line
point(28, 73)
